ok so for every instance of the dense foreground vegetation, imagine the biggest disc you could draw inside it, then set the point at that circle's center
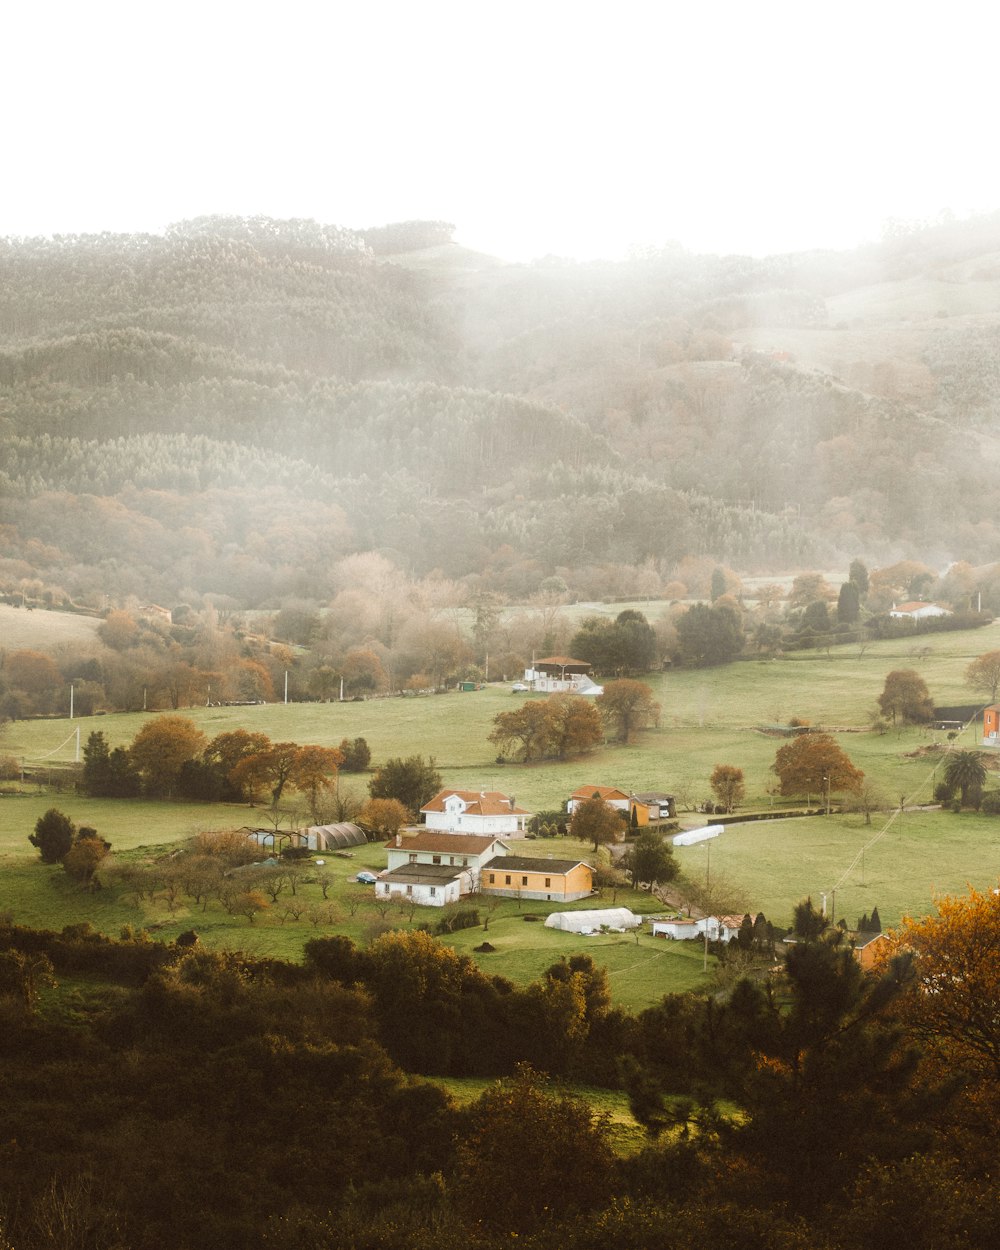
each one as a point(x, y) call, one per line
point(162, 1095)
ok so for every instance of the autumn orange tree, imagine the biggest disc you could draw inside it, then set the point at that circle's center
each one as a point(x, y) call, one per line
point(227, 750)
point(905, 697)
point(160, 750)
point(574, 725)
point(728, 785)
point(957, 1001)
point(561, 725)
point(525, 727)
point(286, 764)
point(384, 817)
point(595, 821)
point(814, 764)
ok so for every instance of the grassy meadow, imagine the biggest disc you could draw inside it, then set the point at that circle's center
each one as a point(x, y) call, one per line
point(897, 863)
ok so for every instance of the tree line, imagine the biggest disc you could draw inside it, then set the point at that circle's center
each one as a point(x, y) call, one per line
point(823, 1106)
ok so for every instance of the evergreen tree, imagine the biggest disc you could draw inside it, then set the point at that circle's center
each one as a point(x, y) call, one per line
point(848, 604)
point(53, 835)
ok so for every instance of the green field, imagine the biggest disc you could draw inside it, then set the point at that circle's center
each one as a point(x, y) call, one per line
point(709, 717)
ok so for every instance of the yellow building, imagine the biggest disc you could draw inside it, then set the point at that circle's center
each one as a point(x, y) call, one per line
point(523, 876)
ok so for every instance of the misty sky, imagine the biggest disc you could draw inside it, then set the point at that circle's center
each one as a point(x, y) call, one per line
point(548, 127)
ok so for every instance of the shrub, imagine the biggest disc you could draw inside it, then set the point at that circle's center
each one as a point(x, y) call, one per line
point(943, 792)
point(991, 803)
point(465, 918)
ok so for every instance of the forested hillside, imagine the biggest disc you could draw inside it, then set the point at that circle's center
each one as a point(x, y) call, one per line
point(233, 406)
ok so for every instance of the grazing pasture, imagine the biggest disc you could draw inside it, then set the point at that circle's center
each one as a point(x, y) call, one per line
point(897, 863)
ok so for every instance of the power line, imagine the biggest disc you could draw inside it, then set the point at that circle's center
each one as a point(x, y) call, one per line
point(898, 811)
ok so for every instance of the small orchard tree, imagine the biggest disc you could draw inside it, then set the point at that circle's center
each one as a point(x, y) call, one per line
point(53, 835)
point(728, 786)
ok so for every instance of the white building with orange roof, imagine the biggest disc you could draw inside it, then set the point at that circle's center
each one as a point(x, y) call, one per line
point(618, 799)
point(475, 811)
point(917, 610)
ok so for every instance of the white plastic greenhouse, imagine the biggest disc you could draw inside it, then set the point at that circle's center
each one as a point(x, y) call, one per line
point(617, 919)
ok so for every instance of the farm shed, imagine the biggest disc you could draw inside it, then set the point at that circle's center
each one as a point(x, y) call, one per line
point(618, 918)
point(334, 837)
point(683, 928)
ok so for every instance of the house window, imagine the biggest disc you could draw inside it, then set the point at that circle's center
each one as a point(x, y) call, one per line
point(465, 861)
point(548, 882)
point(385, 888)
point(506, 880)
point(451, 859)
point(524, 880)
point(413, 859)
point(435, 859)
point(409, 889)
point(492, 878)
point(433, 890)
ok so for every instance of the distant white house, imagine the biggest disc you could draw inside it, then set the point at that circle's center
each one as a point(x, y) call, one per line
point(719, 928)
point(561, 674)
point(475, 811)
point(917, 611)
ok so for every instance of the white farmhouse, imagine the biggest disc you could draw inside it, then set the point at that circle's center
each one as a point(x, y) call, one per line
point(430, 885)
point(475, 811)
point(917, 611)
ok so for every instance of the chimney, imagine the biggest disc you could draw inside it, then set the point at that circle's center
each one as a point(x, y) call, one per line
point(399, 839)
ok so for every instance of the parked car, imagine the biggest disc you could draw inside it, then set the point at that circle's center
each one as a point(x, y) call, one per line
point(366, 877)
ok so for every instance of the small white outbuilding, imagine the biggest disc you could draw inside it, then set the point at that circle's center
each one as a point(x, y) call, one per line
point(616, 919)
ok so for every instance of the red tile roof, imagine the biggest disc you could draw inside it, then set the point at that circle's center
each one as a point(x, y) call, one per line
point(477, 803)
point(606, 792)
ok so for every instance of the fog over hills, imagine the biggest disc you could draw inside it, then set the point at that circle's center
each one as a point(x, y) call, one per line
point(234, 406)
